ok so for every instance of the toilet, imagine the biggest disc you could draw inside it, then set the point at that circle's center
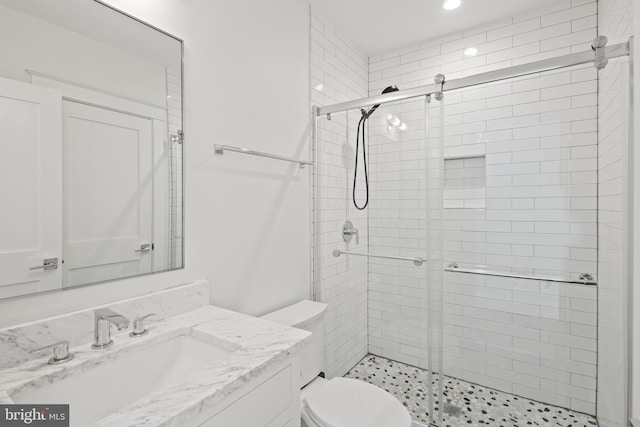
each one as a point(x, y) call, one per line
point(339, 402)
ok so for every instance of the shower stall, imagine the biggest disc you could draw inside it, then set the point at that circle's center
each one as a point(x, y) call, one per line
point(484, 283)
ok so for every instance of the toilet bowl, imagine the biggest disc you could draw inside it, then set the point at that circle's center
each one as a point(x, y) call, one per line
point(347, 402)
point(338, 402)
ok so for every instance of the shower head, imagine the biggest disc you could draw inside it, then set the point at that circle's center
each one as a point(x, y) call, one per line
point(363, 124)
point(387, 89)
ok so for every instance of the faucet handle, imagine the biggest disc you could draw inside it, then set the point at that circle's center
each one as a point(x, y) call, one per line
point(60, 352)
point(348, 231)
point(139, 328)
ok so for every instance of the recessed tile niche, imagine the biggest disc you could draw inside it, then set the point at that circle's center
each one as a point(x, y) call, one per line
point(464, 182)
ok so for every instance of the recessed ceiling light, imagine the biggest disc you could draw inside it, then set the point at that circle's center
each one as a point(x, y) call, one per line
point(470, 51)
point(451, 4)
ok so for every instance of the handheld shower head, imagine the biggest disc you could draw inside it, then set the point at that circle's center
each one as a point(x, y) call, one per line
point(363, 125)
point(388, 89)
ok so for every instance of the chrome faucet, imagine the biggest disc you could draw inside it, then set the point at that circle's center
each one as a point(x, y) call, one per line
point(103, 320)
point(139, 328)
point(348, 231)
point(61, 352)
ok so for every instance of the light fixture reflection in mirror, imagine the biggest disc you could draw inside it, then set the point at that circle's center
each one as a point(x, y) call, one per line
point(451, 4)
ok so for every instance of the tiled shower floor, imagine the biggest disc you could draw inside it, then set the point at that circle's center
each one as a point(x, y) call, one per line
point(468, 404)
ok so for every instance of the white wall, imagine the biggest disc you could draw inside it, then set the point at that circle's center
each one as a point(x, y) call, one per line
point(247, 219)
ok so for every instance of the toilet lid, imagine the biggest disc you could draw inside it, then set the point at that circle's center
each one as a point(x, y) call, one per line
point(344, 402)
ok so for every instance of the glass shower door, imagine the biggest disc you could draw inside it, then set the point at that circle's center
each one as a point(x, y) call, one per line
point(397, 228)
point(513, 240)
point(434, 332)
point(392, 232)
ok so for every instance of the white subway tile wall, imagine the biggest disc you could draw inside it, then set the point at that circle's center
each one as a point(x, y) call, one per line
point(615, 23)
point(339, 73)
point(537, 136)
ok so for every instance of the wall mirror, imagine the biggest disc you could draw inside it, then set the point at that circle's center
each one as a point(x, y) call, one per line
point(91, 142)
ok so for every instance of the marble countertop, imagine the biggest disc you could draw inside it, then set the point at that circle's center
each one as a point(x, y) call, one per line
point(256, 346)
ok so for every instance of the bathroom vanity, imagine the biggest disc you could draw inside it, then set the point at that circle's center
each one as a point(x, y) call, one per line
point(204, 367)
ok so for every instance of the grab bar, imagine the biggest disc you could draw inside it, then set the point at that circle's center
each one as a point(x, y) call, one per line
point(416, 261)
point(583, 279)
point(220, 149)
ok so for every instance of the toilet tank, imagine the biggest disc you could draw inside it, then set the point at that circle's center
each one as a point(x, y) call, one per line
point(307, 315)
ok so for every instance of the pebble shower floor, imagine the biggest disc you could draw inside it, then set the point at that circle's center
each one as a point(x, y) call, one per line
point(466, 404)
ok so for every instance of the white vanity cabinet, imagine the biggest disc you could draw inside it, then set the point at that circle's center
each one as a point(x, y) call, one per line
point(270, 400)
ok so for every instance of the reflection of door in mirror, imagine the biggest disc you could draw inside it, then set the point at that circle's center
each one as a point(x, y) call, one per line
point(31, 190)
point(116, 185)
point(91, 160)
point(108, 230)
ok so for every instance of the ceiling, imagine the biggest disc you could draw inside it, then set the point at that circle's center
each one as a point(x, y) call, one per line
point(375, 26)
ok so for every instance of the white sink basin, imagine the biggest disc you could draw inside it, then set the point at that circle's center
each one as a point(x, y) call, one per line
point(107, 388)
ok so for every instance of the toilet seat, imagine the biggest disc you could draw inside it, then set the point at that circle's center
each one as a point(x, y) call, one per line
point(345, 402)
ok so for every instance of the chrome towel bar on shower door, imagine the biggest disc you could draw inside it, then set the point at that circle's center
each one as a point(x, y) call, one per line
point(583, 279)
point(417, 261)
point(220, 149)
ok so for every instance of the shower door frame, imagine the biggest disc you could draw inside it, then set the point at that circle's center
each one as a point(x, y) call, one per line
point(597, 55)
point(559, 62)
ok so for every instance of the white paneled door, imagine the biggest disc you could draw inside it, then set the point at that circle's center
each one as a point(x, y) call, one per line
point(108, 194)
point(30, 189)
